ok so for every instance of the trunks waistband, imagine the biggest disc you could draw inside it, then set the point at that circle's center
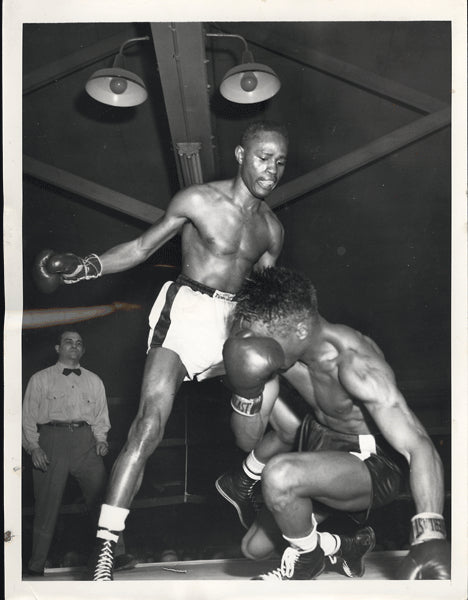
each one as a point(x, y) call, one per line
point(204, 289)
point(362, 442)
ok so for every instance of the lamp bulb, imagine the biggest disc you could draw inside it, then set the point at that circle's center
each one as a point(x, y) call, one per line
point(248, 82)
point(118, 85)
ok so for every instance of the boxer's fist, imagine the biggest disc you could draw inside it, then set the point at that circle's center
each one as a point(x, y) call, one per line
point(46, 280)
point(86, 268)
point(52, 269)
point(427, 560)
point(429, 555)
point(250, 362)
point(65, 264)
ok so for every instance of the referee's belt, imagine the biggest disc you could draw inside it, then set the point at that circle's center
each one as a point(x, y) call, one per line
point(68, 424)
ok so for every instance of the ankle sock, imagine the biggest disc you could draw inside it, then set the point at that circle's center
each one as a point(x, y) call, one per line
point(253, 467)
point(308, 542)
point(329, 543)
point(111, 522)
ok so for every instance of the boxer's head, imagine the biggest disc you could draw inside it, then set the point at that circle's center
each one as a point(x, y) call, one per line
point(277, 301)
point(261, 156)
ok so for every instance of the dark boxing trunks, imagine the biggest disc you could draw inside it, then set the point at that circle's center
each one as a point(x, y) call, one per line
point(386, 475)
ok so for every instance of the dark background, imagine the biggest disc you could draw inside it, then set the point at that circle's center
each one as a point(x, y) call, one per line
point(376, 242)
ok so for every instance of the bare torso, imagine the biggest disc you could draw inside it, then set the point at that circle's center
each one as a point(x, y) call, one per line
point(317, 379)
point(223, 239)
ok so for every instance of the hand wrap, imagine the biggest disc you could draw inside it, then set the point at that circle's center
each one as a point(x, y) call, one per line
point(89, 267)
point(247, 407)
point(427, 526)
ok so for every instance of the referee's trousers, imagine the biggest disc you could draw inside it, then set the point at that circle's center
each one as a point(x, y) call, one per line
point(70, 452)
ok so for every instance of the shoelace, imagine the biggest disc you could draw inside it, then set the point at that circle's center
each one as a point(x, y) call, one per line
point(344, 565)
point(250, 492)
point(103, 570)
point(286, 569)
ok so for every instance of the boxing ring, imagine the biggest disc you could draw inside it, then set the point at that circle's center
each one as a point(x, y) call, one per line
point(379, 565)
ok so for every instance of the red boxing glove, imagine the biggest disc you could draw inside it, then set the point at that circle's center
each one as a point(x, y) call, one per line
point(429, 556)
point(250, 362)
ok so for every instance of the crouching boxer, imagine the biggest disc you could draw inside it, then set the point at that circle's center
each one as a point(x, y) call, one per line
point(344, 461)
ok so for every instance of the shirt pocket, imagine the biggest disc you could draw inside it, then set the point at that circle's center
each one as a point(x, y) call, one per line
point(57, 406)
point(89, 406)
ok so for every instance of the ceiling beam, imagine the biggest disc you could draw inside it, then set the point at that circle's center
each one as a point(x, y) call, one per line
point(90, 190)
point(70, 63)
point(359, 158)
point(267, 37)
point(289, 191)
point(180, 52)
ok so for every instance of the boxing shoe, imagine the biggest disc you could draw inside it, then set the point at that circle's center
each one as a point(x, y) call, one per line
point(124, 562)
point(297, 565)
point(238, 489)
point(101, 565)
point(349, 560)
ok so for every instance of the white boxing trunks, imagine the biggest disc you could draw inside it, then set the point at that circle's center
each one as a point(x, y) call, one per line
point(194, 321)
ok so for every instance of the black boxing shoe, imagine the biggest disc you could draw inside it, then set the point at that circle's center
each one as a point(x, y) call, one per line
point(349, 560)
point(101, 565)
point(238, 489)
point(297, 565)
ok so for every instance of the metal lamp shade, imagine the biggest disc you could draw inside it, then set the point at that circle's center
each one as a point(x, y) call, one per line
point(249, 82)
point(117, 87)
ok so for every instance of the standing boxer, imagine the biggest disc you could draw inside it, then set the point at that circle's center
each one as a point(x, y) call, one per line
point(227, 229)
point(344, 460)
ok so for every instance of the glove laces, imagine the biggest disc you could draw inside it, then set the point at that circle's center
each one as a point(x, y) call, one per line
point(286, 569)
point(103, 570)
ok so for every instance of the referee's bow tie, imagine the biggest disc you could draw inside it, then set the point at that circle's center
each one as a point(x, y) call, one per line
point(68, 371)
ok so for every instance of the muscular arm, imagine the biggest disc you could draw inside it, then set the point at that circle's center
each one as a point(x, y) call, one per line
point(252, 364)
point(269, 258)
point(370, 379)
point(249, 431)
point(129, 254)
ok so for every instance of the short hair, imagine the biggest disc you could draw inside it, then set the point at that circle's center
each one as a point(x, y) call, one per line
point(277, 297)
point(258, 127)
point(66, 330)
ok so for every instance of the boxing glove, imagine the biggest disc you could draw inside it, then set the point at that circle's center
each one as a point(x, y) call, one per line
point(45, 280)
point(250, 362)
point(52, 269)
point(429, 555)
